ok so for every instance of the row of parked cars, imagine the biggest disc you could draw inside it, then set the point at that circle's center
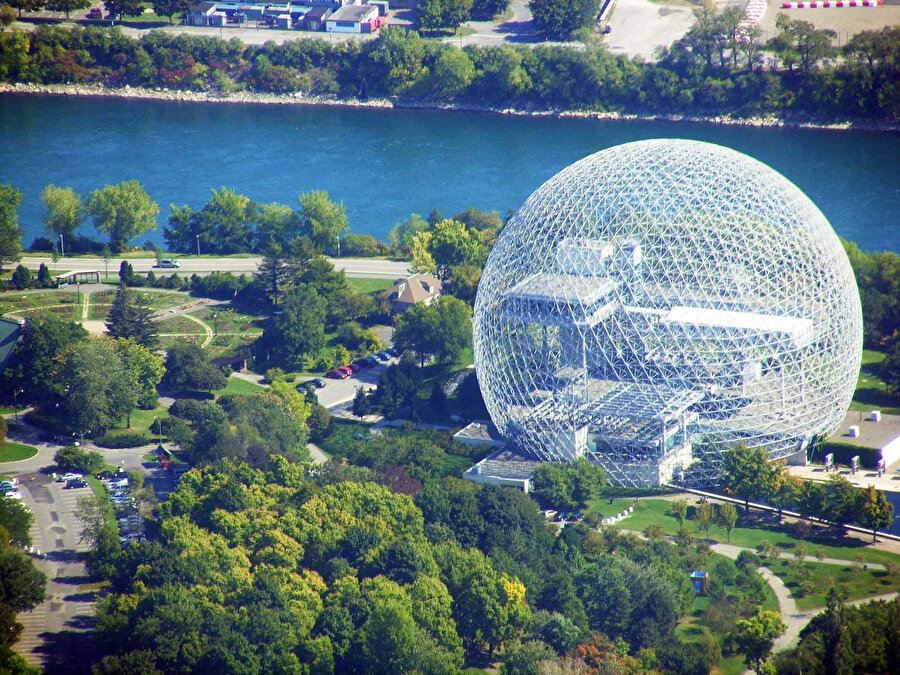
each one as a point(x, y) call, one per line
point(343, 372)
point(9, 489)
point(130, 522)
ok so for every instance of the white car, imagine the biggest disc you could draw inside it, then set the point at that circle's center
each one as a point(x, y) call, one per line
point(69, 476)
point(13, 495)
point(10, 481)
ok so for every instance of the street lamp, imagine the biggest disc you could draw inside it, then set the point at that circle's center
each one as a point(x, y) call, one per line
point(106, 263)
point(198, 245)
point(62, 243)
point(15, 405)
point(216, 323)
point(158, 419)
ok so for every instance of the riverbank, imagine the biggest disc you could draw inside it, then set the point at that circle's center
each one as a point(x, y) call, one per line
point(162, 94)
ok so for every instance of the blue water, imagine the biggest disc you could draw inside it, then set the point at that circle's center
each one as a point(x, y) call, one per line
point(386, 164)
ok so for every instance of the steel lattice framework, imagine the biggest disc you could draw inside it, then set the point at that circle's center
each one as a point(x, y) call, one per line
point(656, 303)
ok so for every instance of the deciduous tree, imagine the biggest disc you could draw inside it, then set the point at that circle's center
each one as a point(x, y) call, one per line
point(727, 517)
point(747, 473)
point(10, 232)
point(875, 511)
point(755, 636)
point(122, 211)
point(322, 220)
point(62, 207)
point(66, 5)
point(188, 368)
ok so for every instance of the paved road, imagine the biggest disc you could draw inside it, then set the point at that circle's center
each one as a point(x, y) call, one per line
point(363, 268)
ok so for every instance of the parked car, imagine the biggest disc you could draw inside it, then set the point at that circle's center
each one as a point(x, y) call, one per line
point(382, 356)
point(336, 374)
point(10, 481)
point(76, 483)
point(95, 13)
point(69, 476)
point(13, 494)
point(392, 351)
point(7, 486)
point(355, 367)
point(347, 370)
point(106, 475)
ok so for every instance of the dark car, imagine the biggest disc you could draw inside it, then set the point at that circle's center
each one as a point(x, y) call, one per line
point(106, 475)
point(75, 483)
point(382, 356)
point(336, 374)
point(392, 351)
point(318, 383)
point(355, 367)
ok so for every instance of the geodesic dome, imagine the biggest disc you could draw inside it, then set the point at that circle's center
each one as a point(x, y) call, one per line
point(656, 303)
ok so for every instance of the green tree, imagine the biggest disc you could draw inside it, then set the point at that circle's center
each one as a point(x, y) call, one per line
point(705, 515)
point(144, 370)
point(7, 17)
point(119, 9)
point(97, 392)
point(273, 272)
point(66, 5)
point(33, 366)
point(678, 509)
point(44, 279)
point(800, 43)
point(568, 485)
point(131, 317)
point(486, 9)
point(75, 458)
point(22, 588)
point(188, 369)
point(450, 244)
point(727, 517)
point(527, 658)
point(25, 5)
point(322, 220)
point(16, 520)
point(875, 511)
point(170, 8)
point(442, 330)
point(395, 61)
point(755, 636)
point(362, 404)
point(558, 19)
point(452, 73)
point(122, 211)
point(401, 235)
point(62, 206)
point(747, 474)
point(295, 333)
point(10, 232)
point(21, 278)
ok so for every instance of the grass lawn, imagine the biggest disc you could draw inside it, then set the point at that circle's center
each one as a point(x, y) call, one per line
point(858, 583)
point(165, 299)
point(13, 452)
point(748, 533)
point(369, 285)
point(344, 433)
point(238, 386)
point(142, 420)
point(871, 391)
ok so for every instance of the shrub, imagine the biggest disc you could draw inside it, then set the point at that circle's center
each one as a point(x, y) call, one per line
point(74, 458)
point(130, 439)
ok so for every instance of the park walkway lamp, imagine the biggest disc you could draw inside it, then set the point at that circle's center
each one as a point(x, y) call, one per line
point(656, 303)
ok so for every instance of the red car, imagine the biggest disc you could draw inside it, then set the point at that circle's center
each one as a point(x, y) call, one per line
point(336, 374)
point(347, 370)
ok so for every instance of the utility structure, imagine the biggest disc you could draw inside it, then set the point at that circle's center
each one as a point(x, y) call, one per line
point(656, 303)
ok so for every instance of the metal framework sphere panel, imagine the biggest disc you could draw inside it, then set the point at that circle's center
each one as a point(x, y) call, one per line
point(655, 303)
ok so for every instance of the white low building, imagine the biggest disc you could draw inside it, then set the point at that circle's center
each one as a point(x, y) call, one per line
point(353, 19)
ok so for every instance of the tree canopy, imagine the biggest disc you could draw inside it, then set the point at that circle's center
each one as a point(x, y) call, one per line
point(122, 211)
point(10, 232)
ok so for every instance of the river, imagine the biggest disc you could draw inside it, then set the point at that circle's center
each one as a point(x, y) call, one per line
point(386, 164)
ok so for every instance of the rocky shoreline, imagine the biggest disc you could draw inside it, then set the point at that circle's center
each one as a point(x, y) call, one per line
point(162, 94)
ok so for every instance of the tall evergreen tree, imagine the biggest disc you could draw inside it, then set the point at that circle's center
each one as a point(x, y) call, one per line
point(131, 317)
point(273, 272)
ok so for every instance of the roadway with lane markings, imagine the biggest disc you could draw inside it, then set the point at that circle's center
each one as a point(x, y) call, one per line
point(362, 268)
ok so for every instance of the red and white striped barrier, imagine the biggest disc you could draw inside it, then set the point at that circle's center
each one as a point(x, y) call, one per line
point(821, 4)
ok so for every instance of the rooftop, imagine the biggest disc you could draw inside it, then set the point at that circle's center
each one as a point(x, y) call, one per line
point(506, 464)
point(353, 13)
point(798, 329)
point(565, 288)
point(871, 434)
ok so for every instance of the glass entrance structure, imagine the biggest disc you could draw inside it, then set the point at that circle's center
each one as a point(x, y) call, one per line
point(655, 303)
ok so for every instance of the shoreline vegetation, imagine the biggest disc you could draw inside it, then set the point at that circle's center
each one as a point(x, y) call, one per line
point(299, 98)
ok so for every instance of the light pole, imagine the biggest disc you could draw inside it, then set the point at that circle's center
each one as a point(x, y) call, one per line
point(198, 245)
point(158, 420)
point(106, 264)
point(62, 244)
point(16, 392)
point(216, 323)
point(339, 245)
